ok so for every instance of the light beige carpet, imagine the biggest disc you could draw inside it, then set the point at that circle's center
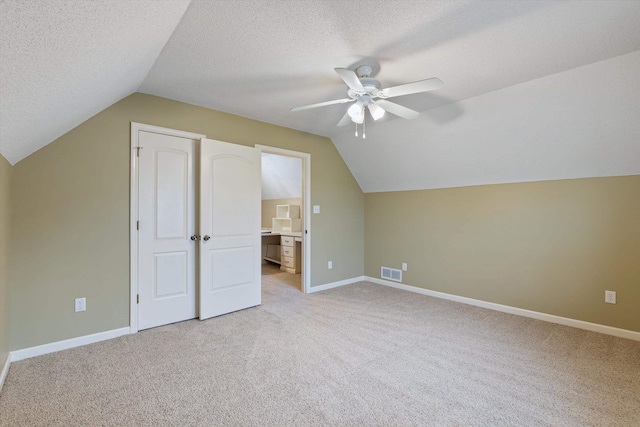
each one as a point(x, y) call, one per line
point(360, 355)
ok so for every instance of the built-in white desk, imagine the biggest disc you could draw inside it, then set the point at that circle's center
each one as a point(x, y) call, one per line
point(284, 248)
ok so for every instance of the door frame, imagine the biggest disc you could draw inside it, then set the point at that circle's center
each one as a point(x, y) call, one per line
point(306, 201)
point(133, 207)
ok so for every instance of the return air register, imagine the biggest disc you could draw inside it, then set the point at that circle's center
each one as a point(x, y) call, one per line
point(391, 274)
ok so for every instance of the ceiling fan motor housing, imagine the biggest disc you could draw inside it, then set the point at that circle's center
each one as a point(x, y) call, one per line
point(364, 71)
point(371, 85)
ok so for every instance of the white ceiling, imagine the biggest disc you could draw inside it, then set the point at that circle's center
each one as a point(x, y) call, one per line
point(575, 124)
point(63, 61)
point(281, 177)
point(259, 58)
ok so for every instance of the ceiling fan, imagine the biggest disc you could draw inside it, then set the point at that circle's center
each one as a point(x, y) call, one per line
point(365, 92)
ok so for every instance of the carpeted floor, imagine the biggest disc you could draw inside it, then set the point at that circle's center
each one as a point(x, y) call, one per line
point(360, 355)
point(269, 269)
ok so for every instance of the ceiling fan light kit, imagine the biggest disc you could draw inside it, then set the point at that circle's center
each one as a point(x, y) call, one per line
point(365, 91)
point(376, 111)
point(356, 112)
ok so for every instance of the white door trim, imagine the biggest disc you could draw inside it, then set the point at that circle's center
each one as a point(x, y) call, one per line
point(306, 201)
point(133, 207)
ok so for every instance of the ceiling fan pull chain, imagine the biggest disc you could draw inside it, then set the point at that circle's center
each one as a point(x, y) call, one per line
point(363, 128)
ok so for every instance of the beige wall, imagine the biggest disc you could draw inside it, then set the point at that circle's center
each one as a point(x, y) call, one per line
point(552, 247)
point(269, 209)
point(71, 215)
point(5, 218)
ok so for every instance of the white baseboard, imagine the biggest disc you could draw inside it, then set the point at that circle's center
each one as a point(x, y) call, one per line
point(336, 284)
point(5, 370)
point(26, 353)
point(594, 327)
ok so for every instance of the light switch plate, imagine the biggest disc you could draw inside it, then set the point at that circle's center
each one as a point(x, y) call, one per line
point(316, 208)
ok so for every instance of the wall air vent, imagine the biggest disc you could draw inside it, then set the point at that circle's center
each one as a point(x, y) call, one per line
point(391, 274)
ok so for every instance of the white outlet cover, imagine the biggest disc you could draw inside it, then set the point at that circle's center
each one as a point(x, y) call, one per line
point(81, 304)
point(330, 265)
point(316, 209)
point(404, 266)
point(610, 297)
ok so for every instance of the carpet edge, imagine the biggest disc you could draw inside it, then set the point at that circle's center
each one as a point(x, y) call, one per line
point(53, 347)
point(332, 285)
point(566, 321)
point(5, 370)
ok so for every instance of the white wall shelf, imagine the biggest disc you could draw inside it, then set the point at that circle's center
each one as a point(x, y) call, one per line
point(287, 219)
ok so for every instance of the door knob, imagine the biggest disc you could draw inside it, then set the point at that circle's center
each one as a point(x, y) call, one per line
point(195, 237)
point(206, 238)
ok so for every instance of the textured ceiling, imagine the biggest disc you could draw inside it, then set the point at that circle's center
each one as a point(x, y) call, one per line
point(576, 124)
point(259, 58)
point(62, 61)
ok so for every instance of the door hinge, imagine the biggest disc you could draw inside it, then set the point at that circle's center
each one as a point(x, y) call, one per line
point(137, 298)
point(137, 225)
point(138, 151)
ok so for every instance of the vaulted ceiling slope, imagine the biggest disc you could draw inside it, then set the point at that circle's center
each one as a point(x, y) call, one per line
point(63, 61)
point(281, 177)
point(530, 86)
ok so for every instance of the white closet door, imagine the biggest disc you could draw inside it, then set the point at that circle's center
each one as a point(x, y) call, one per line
point(166, 278)
point(230, 227)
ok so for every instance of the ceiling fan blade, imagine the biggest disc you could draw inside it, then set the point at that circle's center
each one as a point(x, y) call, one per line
point(351, 79)
point(415, 87)
point(375, 110)
point(322, 104)
point(398, 110)
point(345, 120)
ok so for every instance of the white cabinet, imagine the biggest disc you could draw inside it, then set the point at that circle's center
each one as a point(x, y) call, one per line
point(287, 219)
point(290, 256)
point(287, 253)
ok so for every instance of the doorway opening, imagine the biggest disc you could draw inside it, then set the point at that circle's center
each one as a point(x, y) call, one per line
point(285, 222)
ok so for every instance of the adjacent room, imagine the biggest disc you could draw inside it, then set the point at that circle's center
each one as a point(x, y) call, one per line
point(319, 212)
point(282, 224)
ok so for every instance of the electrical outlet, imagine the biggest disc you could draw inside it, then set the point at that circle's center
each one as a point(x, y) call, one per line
point(81, 304)
point(316, 209)
point(610, 297)
point(404, 266)
point(330, 265)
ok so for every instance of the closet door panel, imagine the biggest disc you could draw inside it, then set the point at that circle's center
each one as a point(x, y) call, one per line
point(230, 177)
point(166, 209)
